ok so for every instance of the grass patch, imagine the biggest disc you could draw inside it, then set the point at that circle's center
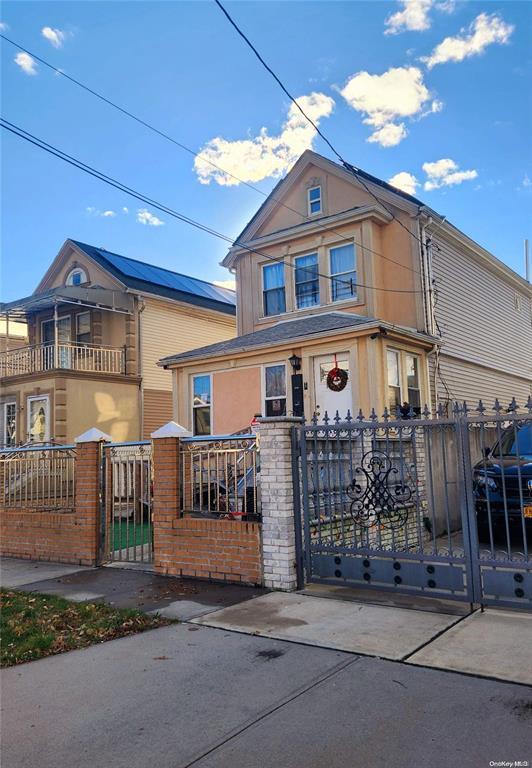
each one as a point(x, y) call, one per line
point(34, 625)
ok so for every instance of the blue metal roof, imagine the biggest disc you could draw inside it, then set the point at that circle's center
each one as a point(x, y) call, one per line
point(141, 276)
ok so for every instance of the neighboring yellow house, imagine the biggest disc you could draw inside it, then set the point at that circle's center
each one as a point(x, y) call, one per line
point(331, 278)
point(97, 325)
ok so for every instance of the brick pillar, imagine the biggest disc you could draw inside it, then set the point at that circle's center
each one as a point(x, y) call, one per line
point(166, 491)
point(277, 502)
point(87, 494)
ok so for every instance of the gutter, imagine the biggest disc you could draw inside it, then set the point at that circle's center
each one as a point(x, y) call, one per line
point(379, 325)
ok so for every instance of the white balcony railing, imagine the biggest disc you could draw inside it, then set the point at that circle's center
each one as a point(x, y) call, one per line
point(73, 357)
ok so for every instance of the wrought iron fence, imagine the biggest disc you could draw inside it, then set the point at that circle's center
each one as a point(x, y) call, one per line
point(38, 478)
point(219, 476)
point(128, 497)
point(439, 503)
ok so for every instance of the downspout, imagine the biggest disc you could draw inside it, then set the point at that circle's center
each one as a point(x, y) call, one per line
point(141, 308)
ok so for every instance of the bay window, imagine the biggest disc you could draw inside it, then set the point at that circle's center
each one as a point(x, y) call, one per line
point(403, 380)
point(343, 272)
point(273, 289)
point(201, 404)
point(307, 281)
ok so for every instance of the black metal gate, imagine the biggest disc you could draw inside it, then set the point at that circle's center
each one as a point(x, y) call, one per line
point(435, 505)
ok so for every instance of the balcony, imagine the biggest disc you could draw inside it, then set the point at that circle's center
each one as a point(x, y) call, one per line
point(39, 358)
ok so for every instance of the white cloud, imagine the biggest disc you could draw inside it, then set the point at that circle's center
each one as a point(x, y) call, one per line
point(231, 284)
point(398, 93)
point(3, 26)
point(90, 210)
point(54, 36)
point(262, 156)
point(27, 63)
point(415, 15)
point(445, 173)
point(126, 210)
point(405, 181)
point(483, 31)
point(389, 135)
point(145, 217)
point(527, 181)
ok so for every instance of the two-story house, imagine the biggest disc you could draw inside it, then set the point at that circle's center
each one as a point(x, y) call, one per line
point(352, 294)
point(97, 324)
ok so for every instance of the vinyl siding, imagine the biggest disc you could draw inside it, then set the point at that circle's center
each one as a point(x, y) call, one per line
point(470, 382)
point(167, 329)
point(157, 410)
point(477, 315)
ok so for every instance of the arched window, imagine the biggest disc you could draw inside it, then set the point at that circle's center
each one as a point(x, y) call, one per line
point(76, 276)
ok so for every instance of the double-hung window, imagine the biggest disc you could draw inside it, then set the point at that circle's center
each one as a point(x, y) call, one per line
point(307, 281)
point(314, 201)
point(201, 404)
point(404, 389)
point(343, 272)
point(273, 289)
point(275, 390)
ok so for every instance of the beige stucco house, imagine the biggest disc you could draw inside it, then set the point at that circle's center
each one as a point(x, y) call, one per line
point(97, 324)
point(342, 270)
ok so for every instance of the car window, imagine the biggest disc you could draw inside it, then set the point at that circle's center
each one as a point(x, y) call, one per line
point(516, 442)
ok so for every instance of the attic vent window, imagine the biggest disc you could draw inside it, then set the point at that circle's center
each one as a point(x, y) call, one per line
point(314, 201)
point(76, 276)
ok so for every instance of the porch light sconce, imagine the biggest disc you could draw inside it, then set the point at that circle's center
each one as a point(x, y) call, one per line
point(295, 362)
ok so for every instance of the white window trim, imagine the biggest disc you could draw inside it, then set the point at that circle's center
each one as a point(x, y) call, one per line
point(355, 297)
point(193, 408)
point(320, 200)
point(46, 398)
point(5, 407)
point(403, 380)
point(74, 271)
point(302, 256)
point(263, 385)
point(263, 289)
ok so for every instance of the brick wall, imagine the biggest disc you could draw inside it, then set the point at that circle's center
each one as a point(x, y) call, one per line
point(223, 550)
point(66, 537)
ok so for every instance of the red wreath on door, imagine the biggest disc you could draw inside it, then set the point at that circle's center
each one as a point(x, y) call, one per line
point(337, 378)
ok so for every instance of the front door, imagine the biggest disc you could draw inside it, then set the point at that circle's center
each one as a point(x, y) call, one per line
point(330, 396)
point(38, 410)
point(63, 341)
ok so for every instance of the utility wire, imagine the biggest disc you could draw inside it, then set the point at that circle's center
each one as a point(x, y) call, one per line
point(41, 144)
point(351, 168)
point(182, 146)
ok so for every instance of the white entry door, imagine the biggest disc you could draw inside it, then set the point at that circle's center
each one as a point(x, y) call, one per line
point(38, 416)
point(327, 399)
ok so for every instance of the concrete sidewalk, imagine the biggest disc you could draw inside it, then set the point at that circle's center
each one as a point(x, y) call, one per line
point(173, 598)
point(190, 695)
point(495, 644)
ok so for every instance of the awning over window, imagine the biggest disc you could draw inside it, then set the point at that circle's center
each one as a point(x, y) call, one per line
point(92, 296)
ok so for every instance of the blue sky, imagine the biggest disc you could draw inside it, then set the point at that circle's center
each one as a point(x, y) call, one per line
point(386, 91)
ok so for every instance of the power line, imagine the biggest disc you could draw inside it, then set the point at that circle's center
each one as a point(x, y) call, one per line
point(348, 166)
point(41, 144)
point(184, 147)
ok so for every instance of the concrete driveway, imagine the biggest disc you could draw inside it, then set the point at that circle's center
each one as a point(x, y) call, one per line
point(190, 695)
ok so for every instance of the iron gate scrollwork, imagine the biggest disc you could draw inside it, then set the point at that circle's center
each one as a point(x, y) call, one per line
point(379, 492)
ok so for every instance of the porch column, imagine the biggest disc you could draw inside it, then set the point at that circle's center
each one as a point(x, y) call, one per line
point(277, 502)
point(56, 340)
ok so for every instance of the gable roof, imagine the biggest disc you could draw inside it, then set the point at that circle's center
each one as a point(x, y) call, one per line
point(140, 276)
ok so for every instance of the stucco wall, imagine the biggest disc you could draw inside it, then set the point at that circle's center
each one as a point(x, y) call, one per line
point(237, 398)
point(111, 406)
